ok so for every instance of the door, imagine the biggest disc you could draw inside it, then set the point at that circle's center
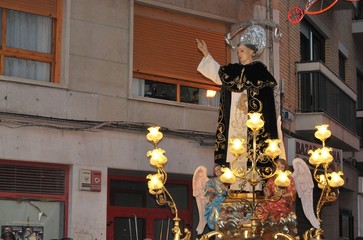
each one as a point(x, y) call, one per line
point(133, 213)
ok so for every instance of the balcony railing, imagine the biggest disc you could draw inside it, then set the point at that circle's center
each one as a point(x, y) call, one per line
point(317, 93)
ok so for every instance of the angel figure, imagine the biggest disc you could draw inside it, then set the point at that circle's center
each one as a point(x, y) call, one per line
point(209, 194)
point(304, 186)
point(280, 201)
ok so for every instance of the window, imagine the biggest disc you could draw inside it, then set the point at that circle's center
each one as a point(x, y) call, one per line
point(360, 105)
point(342, 60)
point(34, 198)
point(346, 223)
point(166, 56)
point(30, 48)
point(360, 131)
point(312, 43)
point(133, 212)
point(360, 90)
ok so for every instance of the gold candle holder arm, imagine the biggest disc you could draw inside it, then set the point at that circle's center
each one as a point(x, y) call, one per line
point(285, 235)
point(217, 234)
point(156, 183)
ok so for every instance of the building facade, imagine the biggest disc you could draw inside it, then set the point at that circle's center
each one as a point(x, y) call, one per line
point(82, 80)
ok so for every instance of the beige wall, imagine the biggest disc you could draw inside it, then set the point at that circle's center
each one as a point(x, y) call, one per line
point(95, 82)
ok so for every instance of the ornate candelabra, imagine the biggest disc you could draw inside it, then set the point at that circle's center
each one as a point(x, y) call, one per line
point(328, 181)
point(156, 182)
point(254, 174)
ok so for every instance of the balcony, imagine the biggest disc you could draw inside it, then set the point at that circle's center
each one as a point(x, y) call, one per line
point(357, 30)
point(346, 4)
point(325, 99)
point(357, 27)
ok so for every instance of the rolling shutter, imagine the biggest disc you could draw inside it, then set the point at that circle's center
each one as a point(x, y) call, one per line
point(165, 45)
point(16, 178)
point(40, 7)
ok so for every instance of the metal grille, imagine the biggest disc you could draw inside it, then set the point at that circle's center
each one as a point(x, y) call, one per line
point(319, 94)
point(32, 179)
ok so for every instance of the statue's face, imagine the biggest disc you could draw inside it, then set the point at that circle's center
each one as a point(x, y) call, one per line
point(280, 166)
point(217, 171)
point(244, 54)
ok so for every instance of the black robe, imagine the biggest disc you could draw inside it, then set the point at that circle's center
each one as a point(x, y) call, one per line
point(259, 83)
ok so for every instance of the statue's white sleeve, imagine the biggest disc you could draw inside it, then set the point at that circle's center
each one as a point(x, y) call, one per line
point(209, 68)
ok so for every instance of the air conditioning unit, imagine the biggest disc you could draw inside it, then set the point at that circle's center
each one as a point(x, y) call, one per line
point(286, 115)
point(360, 184)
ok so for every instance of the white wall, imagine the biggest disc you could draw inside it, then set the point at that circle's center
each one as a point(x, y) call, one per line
point(360, 215)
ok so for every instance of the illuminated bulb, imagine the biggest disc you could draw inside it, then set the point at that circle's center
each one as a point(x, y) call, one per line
point(157, 157)
point(320, 156)
point(155, 184)
point(154, 135)
point(315, 157)
point(322, 133)
point(236, 146)
point(282, 179)
point(211, 93)
point(273, 149)
point(335, 179)
point(325, 156)
point(227, 176)
point(254, 121)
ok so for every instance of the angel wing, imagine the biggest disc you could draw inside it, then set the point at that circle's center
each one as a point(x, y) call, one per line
point(304, 186)
point(200, 178)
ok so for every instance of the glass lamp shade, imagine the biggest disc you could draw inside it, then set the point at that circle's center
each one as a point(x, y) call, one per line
point(335, 179)
point(273, 149)
point(227, 176)
point(155, 184)
point(320, 156)
point(254, 121)
point(322, 132)
point(282, 179)
point(325, 155)
point(314, 157)
point(157, 157)
point(154, 135)
point(237, 146)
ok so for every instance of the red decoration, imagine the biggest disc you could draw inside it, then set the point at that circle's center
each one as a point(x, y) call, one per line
point(295, 15)
point(322, 6)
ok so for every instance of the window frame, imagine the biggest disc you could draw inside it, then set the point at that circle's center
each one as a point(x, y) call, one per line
point(47, 8)
point(359, 90)
point(42, 197)
point(313, 48)
point(342, 65)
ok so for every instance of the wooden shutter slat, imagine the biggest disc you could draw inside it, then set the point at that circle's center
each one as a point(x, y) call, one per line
point(40, 7)
point(167, 49)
